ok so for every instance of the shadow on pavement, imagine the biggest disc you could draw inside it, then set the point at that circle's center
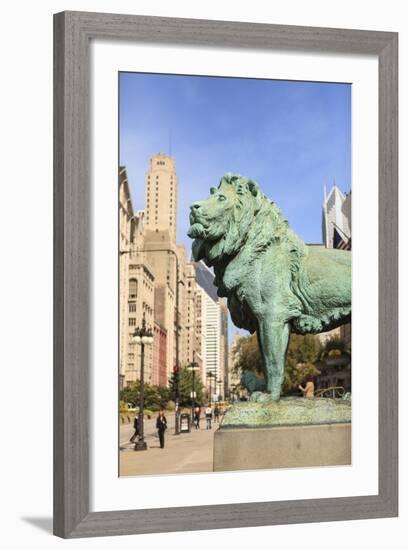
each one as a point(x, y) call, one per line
point(45, 524)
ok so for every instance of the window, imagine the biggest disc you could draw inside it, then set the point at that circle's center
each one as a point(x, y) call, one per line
point(132, 321)
point(131, 357)
point(132, 307)
point(132, 288)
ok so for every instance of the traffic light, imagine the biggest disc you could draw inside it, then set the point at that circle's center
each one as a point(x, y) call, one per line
point(176, 377)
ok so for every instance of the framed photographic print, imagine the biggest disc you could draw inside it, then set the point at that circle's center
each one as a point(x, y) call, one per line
point(225, 274)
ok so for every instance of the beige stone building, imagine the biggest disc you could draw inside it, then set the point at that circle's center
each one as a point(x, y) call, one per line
point(140, 305)
point(161, 195)
point(192, 343)
point(136, 287)
point(164, 257)
point(126, 228)
point(176, 297)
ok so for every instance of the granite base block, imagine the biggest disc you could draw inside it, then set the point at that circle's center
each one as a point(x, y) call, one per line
point(282, 447)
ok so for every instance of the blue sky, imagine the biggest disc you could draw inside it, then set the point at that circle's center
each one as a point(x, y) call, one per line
point(291, 137)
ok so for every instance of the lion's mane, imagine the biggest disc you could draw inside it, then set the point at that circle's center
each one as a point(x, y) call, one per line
point(255, 224)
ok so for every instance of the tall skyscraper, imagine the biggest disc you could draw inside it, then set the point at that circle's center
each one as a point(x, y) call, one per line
point(161, 195)
point(336, 229)
point(166, 257)
point(336, 220)
point(212, 325)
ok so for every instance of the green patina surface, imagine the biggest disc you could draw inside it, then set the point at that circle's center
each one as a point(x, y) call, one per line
point(289, 411)
point(274, 283)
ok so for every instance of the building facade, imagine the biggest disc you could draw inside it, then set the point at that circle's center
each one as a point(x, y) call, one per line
point(126, 230)
point(161, 194)
point(336, 218)
point(140, 305)
point(136, 288)
point(212, 331)
point(192, 314)
point(176, 297)
point(336, 229)
point(159, 355)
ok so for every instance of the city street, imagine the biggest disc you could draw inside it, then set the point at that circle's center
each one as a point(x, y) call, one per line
point(183, 453)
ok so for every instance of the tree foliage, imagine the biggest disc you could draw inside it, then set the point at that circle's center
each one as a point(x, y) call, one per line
point(247, 356)
point(334, 347)
point(302, 356)
point(155, 397)
point(186, 387)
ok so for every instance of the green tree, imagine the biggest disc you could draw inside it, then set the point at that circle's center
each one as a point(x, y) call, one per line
point(247, 355)
point(303, 353)
point(301, 358)
point(155, 397)
point(334, 347)
point(186, 387)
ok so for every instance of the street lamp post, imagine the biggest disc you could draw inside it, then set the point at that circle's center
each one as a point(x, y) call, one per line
point(143, 337)
point(219, 388)
point(210, 375)
point(193, 366)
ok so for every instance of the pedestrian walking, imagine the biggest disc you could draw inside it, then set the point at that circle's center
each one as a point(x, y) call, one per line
point(216, 414)
point(308, 390)
point(161, 425)
point(136, 428)
point(197, 414)
point(208, 417)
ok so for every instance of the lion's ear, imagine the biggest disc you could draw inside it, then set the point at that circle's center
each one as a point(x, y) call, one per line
point(213, 190)
point(253, 187)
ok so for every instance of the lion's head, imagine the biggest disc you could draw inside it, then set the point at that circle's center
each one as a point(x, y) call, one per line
point(235, 212)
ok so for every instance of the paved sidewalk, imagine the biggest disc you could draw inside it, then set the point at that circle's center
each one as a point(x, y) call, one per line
point(183, 453)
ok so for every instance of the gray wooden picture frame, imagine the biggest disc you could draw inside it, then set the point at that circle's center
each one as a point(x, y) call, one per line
point(72, 34)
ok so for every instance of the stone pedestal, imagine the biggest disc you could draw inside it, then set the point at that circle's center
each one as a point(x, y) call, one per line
point(282, 447)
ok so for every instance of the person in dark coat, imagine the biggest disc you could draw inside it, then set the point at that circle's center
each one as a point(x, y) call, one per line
point(136, 428)
point(161, 425)
point(197, 414)
point(216, 414)
point(208, 417)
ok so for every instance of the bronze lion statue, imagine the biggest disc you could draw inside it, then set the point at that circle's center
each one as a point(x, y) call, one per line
point(274, 283)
